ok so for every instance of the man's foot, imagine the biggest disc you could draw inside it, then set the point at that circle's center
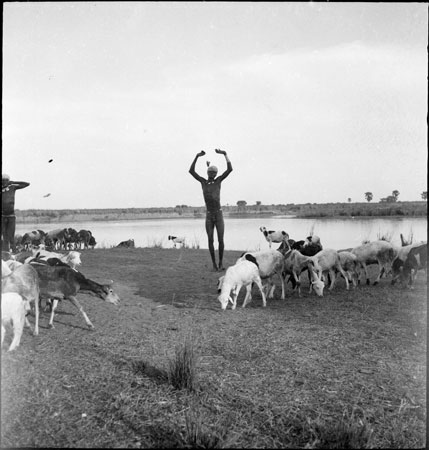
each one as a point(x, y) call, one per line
point(221, 268)
point(215, 268)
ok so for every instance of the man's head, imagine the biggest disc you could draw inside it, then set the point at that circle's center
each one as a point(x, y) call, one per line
point(212, 172)
point(5, 179)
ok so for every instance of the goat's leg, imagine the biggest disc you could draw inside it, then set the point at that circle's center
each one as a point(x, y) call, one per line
point(264, 299)
point(282, 281)
point(270, 287)
point(36, 313)
point(297, 279)
point(248, 296)
point(53, 308)
point(79, 307)
point(266, 286)
point(291, 279)
point(298, 285)
point(314, 275)
point(18, 326)
point(380, 273)
point(365, 268)
point(2, 333)
point(27, 323)
point(352, 274)
point(235, 293)
point(344, 274)
point(259, 284)
point(332, 277)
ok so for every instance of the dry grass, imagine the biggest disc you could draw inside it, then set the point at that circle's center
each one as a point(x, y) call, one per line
point(347, 370)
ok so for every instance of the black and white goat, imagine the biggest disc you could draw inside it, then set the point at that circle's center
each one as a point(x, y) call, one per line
point(274, 236)
point(270, 263)
point(177, 240)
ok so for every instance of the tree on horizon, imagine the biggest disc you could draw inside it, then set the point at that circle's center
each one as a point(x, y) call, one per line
point(424, 195)
point(395, 194)
point(368, 196)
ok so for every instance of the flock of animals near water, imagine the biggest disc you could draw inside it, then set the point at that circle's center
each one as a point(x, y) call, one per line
point(41, 271)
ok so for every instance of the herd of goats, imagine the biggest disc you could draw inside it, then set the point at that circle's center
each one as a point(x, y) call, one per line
point(59, 239)
point(39, 271)
point(292, 258)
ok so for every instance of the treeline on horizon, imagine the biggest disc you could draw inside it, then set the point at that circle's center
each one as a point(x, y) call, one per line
point(362, 209)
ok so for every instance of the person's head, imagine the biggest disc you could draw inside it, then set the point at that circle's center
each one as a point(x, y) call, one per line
point(5, 179)
point(212, 172)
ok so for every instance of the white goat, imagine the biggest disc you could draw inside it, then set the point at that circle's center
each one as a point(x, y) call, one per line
point(295, 263)
point(376, 252)
point(243, 273)
point(25, 282)
point(270, 263)
point(274, 236)
point(177, 240)
point(13, 310)
point(328, 260)
point(72, 258)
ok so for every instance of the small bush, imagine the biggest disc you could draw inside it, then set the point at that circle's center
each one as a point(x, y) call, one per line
point(182, 370)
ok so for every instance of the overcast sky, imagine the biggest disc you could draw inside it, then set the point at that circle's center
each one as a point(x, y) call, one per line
point(314, 102)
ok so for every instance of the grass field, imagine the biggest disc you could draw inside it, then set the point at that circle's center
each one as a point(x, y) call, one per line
point(344, 371)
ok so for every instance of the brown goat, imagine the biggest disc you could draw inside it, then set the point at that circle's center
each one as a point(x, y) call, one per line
point(62, 282)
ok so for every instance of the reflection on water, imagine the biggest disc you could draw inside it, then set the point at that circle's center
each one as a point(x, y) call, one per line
point(244, 234)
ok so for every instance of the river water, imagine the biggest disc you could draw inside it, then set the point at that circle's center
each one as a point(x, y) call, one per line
point(243, 234)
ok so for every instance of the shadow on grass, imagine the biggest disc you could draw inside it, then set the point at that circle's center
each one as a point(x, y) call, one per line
point(160, 376)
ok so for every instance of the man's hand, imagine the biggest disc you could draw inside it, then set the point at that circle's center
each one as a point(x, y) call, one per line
point(202, 153)
point(221, 152)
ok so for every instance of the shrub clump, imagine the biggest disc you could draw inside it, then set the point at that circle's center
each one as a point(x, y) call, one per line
point(182, 369)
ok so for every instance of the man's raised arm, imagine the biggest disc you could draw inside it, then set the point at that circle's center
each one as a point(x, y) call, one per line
point(192, 168)
point(228, 164)
point(19, 184)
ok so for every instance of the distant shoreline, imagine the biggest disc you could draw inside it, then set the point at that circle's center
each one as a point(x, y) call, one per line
point(302, 211)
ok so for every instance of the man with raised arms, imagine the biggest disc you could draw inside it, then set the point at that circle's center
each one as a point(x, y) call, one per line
point(211, 192)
